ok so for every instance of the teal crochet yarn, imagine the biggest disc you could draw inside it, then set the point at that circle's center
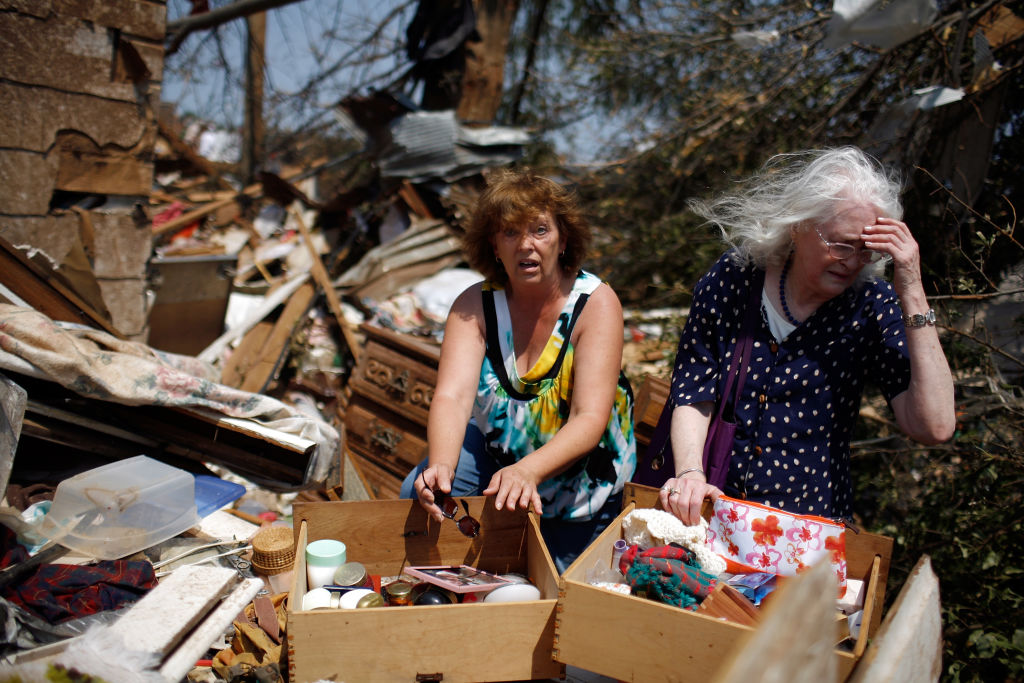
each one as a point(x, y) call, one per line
point(649, 582)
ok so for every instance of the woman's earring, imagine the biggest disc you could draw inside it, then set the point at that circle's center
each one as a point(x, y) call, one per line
point(497, 259)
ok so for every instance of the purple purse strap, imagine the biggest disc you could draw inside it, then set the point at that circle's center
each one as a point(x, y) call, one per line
point(744, 343)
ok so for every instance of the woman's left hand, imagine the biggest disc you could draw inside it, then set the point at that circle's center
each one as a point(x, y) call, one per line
point(515, 485)
point(892, 237)
point(684, 497)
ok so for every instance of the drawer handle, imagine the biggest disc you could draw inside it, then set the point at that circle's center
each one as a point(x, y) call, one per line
point(400, 384)
point(383, 437)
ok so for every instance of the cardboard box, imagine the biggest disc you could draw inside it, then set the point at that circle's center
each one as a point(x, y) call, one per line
point(466, 642)
point(633, 639)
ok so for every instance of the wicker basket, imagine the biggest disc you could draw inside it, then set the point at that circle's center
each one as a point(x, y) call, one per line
point(273, 550)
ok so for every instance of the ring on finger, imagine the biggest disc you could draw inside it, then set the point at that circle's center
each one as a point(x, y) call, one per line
point(673, 490)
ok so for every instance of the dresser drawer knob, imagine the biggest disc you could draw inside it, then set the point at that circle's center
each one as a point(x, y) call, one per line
point(383, 437)
point(400, 384)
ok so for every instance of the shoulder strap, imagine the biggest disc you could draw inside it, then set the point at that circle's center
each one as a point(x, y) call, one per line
point(744, 343)
point(493, 343)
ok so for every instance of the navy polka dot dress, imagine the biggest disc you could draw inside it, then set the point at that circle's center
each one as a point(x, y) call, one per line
point(799, 405)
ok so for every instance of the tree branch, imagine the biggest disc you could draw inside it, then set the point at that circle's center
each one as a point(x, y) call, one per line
point(179, 29)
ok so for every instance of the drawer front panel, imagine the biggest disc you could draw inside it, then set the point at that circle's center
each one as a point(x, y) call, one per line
point(374, 431)
point(395, 380)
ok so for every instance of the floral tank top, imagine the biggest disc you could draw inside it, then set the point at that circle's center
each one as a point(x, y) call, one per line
point(518, 415)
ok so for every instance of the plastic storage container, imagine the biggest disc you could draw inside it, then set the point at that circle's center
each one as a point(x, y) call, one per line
point(121, 508)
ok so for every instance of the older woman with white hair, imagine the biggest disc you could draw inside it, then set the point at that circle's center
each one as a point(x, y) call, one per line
point(818, 228)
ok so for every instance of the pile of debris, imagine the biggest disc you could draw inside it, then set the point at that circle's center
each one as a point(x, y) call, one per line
point(260, 301)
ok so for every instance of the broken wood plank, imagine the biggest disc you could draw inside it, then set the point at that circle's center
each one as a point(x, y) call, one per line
point(194, 647)
point(84, 166)
point(270, 457)
point(324, 281)
point(274, 352)
point(270, 302)
point(192, 216)
point(246, 354)
point(908, 645)
point(160, 620)
point(800, 618)
point(45, 294)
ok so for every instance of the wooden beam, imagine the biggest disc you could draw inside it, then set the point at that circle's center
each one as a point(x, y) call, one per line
point(322, 279)
point(266, 363)
point(45, 293)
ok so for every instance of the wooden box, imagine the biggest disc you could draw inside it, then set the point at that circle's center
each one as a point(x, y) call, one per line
point(633, 639)
point(465, 642)
point(386, 418)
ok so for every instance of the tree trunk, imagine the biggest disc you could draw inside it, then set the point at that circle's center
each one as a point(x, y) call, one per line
point(252, 148)
point(485, 61)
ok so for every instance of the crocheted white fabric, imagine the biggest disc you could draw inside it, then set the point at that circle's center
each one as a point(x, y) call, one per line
point(648, 528)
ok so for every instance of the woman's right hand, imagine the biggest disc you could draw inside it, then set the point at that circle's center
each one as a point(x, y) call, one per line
point(684, 497)
point(432, 478)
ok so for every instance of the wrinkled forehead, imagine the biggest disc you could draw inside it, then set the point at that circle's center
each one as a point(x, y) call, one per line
point(847, 220)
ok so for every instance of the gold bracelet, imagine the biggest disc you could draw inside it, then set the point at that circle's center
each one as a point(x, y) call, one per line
point(692, 469)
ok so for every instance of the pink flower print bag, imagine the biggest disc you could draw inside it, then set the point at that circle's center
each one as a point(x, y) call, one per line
point(757, 538)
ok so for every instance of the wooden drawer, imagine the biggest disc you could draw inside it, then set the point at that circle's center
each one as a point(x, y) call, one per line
point(398, 372)
point(685, 646)
point(389, 439)
point(464, 642)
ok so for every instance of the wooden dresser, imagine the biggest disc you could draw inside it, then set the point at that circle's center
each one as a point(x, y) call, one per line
point(386, 416)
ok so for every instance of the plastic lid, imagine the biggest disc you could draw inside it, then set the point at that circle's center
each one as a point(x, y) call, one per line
point(213, 493)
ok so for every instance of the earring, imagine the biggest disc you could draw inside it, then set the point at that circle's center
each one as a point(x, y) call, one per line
point(497, 259)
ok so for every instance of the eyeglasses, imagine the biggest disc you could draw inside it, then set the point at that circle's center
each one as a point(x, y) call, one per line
point(449, 508)
point(841, 251)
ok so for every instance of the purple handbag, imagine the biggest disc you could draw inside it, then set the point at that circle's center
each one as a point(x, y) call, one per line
point(722, 430)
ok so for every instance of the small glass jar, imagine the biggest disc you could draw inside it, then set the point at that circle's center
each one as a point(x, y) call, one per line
point(399, 593)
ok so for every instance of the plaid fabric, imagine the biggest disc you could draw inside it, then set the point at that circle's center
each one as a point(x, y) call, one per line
point(58, 592)
point(11, 552)
point(668, 574)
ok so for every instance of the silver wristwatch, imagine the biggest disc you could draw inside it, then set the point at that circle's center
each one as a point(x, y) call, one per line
point(920, 319)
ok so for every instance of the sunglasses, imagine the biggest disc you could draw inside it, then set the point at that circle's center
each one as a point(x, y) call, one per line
point(450, 508)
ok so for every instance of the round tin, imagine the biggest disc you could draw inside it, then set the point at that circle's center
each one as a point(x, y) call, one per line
point(352, 574)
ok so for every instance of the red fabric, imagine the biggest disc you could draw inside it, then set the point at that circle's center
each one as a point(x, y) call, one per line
point(58, 592)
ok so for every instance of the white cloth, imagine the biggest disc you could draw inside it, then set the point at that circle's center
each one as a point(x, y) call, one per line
point(648, 528)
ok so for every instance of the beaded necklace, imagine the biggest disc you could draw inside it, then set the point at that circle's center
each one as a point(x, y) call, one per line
point(782, 293)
